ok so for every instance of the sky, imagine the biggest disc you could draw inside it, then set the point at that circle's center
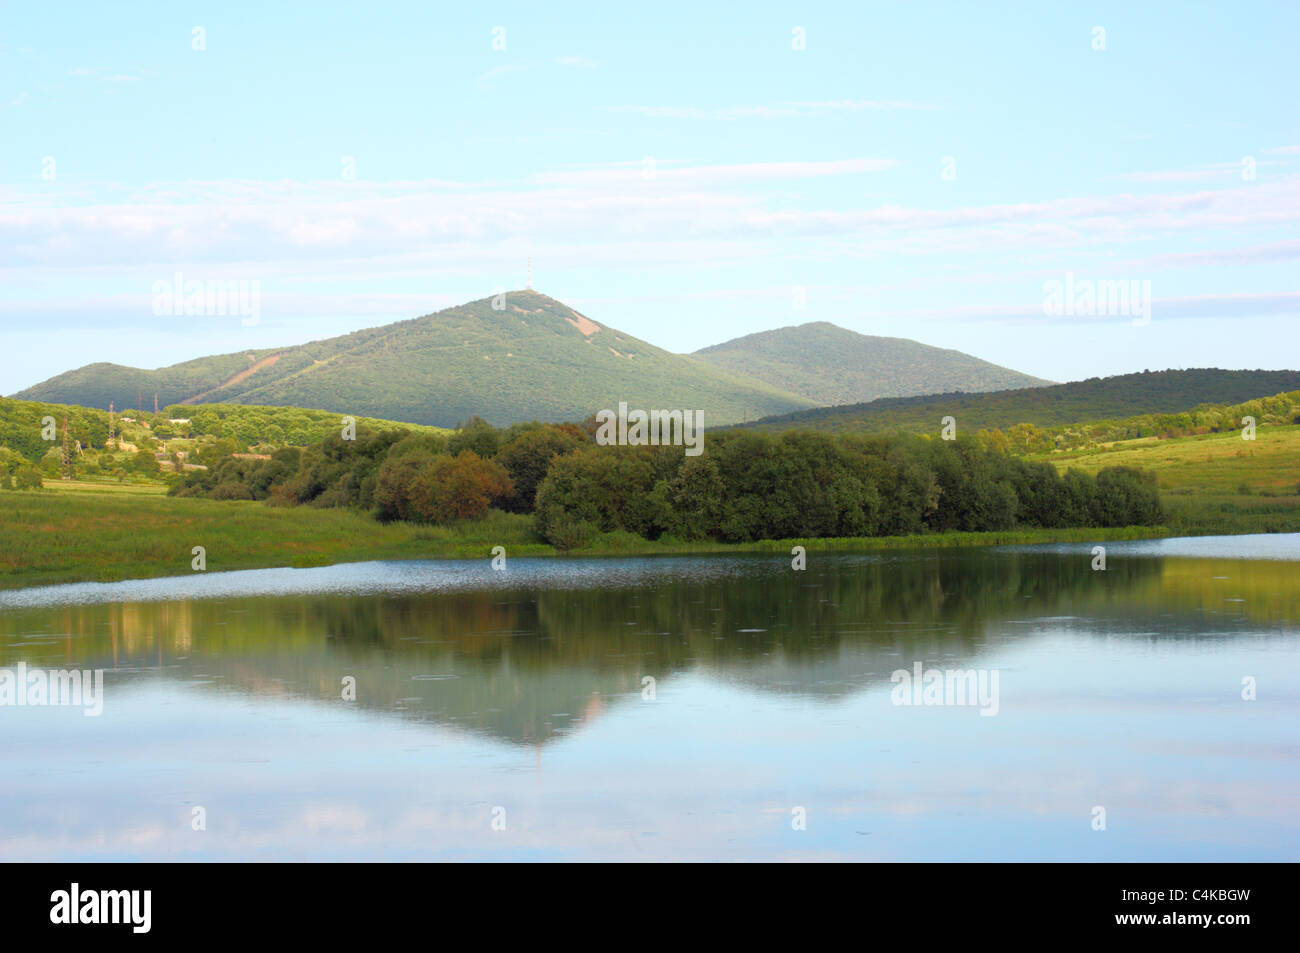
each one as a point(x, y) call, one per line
point(920, 170)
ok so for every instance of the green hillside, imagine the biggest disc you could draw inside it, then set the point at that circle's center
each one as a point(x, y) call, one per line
point(22, 432)
point(1105, 398)
point(830, 365)
point(535, 359)
point(131, 388)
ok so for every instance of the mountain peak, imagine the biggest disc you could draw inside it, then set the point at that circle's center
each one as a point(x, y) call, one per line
point(833, 365)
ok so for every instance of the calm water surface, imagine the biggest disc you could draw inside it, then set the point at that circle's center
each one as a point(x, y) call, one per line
point(522, 696)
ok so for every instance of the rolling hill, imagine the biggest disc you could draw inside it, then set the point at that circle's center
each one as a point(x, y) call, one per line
point(830, 365)
point(534, 359)
point(1098, 398)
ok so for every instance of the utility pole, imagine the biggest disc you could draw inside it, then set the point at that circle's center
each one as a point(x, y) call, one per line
point(155, 403)
point(112, 426)
point(67, 454)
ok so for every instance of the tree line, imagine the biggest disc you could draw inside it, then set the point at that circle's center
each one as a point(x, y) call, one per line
point(746, 485)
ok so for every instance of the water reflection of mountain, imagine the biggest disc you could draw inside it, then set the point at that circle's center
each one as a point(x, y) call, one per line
point(528, 664)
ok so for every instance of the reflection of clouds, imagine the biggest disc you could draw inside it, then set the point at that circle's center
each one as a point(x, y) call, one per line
point(654, 783)
point(334, 818)
point(1113, 692)
point(933, 808)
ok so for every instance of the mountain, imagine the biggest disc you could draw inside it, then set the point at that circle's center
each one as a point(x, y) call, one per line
point(1096, 399)
point(830, 365)
point(534, 359)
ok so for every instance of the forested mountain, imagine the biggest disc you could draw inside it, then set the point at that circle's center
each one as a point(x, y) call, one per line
point(532, 359)
point(831, 365)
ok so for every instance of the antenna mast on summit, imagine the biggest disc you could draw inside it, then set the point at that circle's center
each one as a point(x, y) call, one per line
point(528, 282)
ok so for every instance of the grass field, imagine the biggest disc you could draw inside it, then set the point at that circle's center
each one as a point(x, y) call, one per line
point(106, 486)
point(1214, 483)
point(76, 535)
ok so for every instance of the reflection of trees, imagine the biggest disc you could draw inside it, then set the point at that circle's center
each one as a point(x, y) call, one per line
point(525, 664)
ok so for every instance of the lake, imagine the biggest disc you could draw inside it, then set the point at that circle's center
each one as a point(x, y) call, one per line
point(977, 704)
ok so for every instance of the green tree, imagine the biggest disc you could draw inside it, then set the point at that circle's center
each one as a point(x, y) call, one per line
point(528, 456)
point(476, 435)
point(608, 488)
point(145, 463)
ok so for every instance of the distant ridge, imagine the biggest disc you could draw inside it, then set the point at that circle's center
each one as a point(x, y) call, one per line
point(1098, 398)
point(831, 365)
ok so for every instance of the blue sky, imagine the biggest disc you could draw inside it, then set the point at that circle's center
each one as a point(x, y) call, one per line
point(682, 175)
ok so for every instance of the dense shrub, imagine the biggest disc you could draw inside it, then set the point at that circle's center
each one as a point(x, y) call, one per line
point(28, 478)
point(747, 485)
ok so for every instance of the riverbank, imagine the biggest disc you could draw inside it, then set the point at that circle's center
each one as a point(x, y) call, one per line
point(71, 535)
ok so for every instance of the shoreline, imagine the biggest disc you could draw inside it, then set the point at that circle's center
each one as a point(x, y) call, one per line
point(83, 536)
point(154, 537)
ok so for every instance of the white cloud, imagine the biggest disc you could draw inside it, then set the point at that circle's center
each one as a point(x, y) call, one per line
point(1222, 306)
point(99, 74)
point(779, 111)
point(505, 69)
point(700, 217)
point(667, 172)
point(859, 105)
point(725, 113)
point(1220, 171)
point(241, 220)
point(1220, 257)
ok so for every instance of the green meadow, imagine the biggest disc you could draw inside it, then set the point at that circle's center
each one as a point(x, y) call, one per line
point(1213, 483)
point(106, 533)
